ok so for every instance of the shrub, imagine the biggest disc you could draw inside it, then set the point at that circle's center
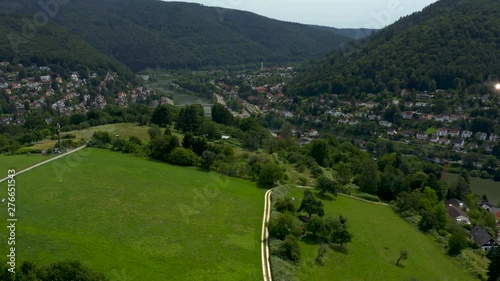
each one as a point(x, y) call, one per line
point(183, 157)
point(290, 249)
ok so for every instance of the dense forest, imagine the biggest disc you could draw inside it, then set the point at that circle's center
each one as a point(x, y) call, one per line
point(51, 46)
point(447, 45)
point(151, 33)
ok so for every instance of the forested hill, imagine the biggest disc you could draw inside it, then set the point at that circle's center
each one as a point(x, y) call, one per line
point(152, 33)
point(448, 44)
point(51, 46)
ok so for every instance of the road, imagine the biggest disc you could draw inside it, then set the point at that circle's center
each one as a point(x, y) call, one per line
point(45, 162)
point(266, 267)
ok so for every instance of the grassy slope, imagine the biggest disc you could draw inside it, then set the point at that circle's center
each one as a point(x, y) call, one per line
point(379, 235)
point(124, 130)
point(481, 186)
point(19, 162)
point(118, 213)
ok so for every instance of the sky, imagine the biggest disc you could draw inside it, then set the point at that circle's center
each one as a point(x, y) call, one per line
point(334, 13)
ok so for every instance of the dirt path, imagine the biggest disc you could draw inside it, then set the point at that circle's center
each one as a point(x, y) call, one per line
point(266, 268)
point(45, 162)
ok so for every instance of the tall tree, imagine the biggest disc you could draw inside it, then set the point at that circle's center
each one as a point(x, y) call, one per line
point(311, 205)
point(190, 118)
point(369, 178)
point(221, 115)
point(494, 266)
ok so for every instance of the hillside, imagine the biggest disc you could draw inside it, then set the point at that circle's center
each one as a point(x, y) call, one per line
point(448, 43)
point(378, 237)
point(181, 224)
point(153, 33)
point(354, 33)
point(51, 46)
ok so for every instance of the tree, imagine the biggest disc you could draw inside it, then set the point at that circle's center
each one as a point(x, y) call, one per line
point(311, 205)
point(461, 189)
point(270, 173)
point(326, 184)
point(290, 249)
point(392, 114)
point(161, 147)
point(207, 159)
point(221, 115)
point(344, 173)
point(315, 225)
point(210, 130)
point(62, 271)
point(154, 132)
point(322, 250)
point(285, 204)
point(403, 255)
point(494, 266)
point(368, 179)
point(163, 115)
point(190, 118)
point(282, 225)
point(456, 243)
point(182, 156)
point(339, 233)
point(319, 151)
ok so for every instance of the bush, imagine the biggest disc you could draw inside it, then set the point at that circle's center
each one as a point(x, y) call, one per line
point(285, 204)
point(281, 225)
point(290, 249)
point(183, 157)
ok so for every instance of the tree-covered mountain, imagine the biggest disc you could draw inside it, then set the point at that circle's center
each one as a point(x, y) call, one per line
point(450, 44)
point(51, 46)
point(152, 33)
point(354, 33)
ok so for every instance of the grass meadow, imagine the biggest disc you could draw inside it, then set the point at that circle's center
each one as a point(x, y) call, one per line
point(480, 186)
point(123, 130)
point(19, 162)
point(378, 237)
point(135, 219)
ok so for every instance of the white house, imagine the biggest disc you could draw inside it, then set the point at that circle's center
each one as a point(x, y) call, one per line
point(442, 132)
point(458, 215)
point(385, 124)
point(421, 136)
point(467, 134)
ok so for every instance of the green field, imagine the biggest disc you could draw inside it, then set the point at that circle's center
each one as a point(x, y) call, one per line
point(379, 236)
point(127, 216)
point(123, 130)
point(19, 162)
point(481, 186)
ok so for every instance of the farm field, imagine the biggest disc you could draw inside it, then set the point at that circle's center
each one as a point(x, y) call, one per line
point(378, 237)
point(19, 162)
point(136, 219)
point(124, 130)
point(480, 186)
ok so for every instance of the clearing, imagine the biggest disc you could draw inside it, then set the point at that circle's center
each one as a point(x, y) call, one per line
point(378, 237)
point(124, 130)
point(136, 219)
point(480, 186)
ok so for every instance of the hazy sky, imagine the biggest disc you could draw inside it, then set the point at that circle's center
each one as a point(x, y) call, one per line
point(335, 13)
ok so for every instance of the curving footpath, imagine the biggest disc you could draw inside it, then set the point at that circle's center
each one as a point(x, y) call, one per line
point(266, 267)
point(45, 162)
